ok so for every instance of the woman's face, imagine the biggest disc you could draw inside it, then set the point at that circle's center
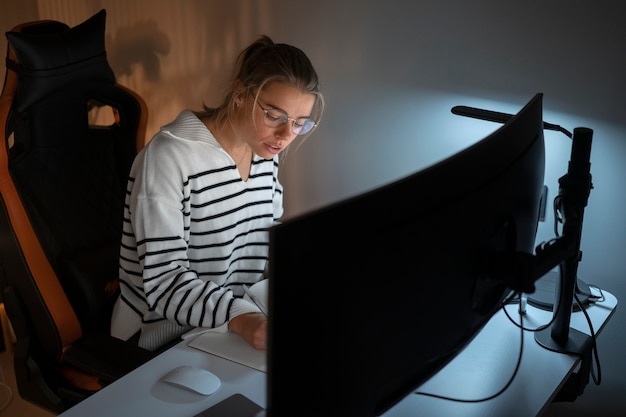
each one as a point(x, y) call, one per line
point(277, 99)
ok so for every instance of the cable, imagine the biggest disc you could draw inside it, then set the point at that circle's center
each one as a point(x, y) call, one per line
point(509, 382)
point(513, 298)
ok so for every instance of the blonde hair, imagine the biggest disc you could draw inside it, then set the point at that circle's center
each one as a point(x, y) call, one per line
point(264, 62)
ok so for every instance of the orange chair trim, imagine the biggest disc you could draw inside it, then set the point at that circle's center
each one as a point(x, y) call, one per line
point(51, 290)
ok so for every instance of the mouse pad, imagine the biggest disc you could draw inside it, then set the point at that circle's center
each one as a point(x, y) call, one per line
point(237, 405)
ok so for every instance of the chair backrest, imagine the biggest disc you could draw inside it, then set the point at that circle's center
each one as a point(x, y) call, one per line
point(62, 182)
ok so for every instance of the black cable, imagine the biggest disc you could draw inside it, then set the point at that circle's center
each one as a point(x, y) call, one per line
point(513, 298)
point(509, 382)
point(536, 329)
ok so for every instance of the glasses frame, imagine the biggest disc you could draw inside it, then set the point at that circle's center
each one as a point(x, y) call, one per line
point(269, 122)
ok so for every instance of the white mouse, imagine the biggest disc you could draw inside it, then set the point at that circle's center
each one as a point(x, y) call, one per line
point(194, 379)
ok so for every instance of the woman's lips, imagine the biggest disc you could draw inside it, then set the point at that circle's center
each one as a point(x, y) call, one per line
point(273, 149)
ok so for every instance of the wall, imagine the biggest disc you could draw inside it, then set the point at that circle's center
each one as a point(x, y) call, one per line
point(391, 71)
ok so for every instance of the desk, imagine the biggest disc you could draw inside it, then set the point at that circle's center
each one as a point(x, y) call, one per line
point(480, 370)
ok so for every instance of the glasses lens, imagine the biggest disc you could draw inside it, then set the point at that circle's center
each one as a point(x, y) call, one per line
point(302, 126)
point(274, 118)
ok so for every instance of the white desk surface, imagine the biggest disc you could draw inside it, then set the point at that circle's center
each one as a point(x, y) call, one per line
point(480, 370)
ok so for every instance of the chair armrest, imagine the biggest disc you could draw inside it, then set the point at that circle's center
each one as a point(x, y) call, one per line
point(105, 356)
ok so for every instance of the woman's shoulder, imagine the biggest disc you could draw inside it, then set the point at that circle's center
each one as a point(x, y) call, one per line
point(182, 137)
point(187, 127)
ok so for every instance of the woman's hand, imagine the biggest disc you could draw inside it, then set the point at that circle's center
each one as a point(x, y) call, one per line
point(252, 327)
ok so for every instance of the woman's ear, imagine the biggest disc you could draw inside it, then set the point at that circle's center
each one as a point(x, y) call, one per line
point(237, 93)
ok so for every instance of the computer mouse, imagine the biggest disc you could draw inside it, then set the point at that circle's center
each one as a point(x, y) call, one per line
point(194, 379)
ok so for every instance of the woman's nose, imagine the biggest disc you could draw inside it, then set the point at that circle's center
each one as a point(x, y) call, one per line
point(284, 130)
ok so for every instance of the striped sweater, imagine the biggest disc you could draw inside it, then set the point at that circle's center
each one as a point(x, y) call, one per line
point(194, 233)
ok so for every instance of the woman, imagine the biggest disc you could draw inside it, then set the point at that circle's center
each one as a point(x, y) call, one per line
point(201, 197)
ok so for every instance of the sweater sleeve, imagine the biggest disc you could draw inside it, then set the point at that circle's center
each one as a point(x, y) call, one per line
point(172, 289)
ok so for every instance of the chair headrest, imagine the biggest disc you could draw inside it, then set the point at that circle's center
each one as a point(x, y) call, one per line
point(59, 59)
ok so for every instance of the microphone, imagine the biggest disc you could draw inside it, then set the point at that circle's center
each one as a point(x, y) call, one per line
point(495, 116)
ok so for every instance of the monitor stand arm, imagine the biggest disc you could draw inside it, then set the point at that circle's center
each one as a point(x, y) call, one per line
point(573, 195)
point(520, 271)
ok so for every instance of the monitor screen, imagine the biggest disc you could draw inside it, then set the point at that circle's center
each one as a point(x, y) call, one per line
point(370, 296)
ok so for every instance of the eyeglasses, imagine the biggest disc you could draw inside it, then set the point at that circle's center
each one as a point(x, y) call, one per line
point(276, 118)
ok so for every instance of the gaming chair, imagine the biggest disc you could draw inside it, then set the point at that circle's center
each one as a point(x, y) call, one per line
point(62, 186)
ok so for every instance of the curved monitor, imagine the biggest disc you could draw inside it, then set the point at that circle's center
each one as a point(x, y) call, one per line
point(371, 296)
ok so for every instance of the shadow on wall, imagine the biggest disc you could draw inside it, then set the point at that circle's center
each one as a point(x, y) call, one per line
point(141, 44)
